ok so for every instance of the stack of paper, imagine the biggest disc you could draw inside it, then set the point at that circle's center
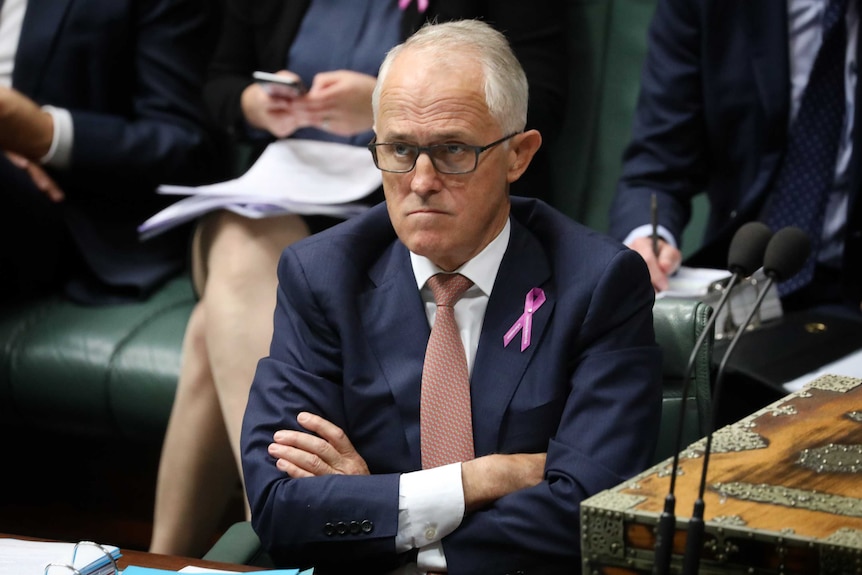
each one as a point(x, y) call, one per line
point(291, 176)
point(24, 557)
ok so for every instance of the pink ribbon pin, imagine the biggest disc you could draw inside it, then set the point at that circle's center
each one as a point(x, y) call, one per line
point(535, 299)
point(421, 5)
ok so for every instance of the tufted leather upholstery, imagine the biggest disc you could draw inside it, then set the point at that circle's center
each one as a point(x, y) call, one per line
point(678, 323)
point(108, 372)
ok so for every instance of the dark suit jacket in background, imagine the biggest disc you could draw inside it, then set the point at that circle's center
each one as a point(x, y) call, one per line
point(257, 36)
point(349, 341)
point(713, 116)
point(131, 74)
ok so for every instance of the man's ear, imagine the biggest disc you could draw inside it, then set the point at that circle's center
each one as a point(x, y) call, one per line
point(522, 148)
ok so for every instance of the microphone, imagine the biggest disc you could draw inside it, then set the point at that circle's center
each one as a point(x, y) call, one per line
point(785, 255)
point(744, 257)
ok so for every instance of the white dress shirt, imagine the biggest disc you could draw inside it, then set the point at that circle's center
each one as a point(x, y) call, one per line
point(431, 501)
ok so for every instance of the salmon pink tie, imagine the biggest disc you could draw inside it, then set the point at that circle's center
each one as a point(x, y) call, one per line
point(445, 417)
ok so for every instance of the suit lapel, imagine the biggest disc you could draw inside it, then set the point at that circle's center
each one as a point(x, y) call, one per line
point(396, 328)
point(498, 370)
point(40, 29)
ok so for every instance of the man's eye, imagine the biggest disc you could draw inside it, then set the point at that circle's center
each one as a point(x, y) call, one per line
point(402, 149)
point(454, 149)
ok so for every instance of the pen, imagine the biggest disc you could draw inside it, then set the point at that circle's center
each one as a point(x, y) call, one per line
point(653, 209)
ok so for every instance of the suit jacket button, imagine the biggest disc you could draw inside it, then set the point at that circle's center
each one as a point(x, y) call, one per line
point(341, 528)
point(355, 528)
point(329, 529)
point(367, 526)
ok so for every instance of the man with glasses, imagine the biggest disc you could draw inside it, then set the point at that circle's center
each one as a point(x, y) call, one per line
point(453, 372)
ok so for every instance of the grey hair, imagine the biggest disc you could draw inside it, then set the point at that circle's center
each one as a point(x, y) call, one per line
point(505, 83)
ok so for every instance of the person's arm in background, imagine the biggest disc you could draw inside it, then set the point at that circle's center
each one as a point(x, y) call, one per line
point(163, 134)
point(28, 137)
point(667, 154)
point(140, 118)
point(253, 37)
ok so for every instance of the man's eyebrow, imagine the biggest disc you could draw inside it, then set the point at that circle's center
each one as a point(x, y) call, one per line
point(443, 137)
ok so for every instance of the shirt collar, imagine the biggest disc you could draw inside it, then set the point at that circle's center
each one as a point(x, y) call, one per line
point(481, 269)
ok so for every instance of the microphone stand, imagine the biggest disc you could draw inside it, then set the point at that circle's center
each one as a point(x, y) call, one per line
point(667, 520)
point(694, 536)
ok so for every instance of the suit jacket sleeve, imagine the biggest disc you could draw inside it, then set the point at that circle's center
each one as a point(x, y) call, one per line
point(668, 151)
point(159, 132)
point(296, 518)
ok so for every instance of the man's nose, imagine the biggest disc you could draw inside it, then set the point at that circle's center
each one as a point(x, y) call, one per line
point(425, 177)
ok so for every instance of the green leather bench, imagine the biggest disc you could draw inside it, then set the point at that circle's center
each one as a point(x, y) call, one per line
point(106, 373)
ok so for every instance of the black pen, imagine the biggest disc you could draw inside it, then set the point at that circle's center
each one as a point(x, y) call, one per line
point(653, 209)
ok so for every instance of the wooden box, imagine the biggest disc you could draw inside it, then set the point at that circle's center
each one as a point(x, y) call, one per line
point(783, 494)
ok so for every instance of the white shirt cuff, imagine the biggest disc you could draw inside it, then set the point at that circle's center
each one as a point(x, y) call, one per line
point(645, 231)
point(60, 153)
point(430, 507)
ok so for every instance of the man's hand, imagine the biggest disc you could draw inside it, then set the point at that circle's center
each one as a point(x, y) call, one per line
point(661, 267)
point(491, 477)
point(25, 128)
point(329, 452)
point(40, 177)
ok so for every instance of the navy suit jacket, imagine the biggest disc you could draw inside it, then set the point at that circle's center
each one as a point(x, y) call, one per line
point(713, 115)
point(131, 74)
point(349, 341)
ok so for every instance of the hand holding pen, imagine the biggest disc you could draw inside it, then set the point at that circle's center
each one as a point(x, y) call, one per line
point(662, 258)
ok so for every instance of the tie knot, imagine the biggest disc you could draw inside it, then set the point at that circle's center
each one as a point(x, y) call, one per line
point(448, 288)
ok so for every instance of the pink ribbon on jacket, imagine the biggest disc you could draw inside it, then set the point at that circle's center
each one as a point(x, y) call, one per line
point(421, 5)
point(535, 299)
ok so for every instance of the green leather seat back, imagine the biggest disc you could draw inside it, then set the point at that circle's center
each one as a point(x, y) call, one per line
point(108, 371)
point(678, 323)
point(608, 43)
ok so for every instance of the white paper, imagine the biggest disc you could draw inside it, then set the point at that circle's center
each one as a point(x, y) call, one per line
point(24, 557)
point(688, 282)
point(290, 176)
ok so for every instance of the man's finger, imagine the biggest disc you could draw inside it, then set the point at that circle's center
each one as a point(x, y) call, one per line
point(330, 432)
point(309, 463)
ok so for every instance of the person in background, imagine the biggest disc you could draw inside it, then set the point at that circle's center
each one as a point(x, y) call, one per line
point(99, 104)
point(774, 140)
point(454, 371)
point(335, 49)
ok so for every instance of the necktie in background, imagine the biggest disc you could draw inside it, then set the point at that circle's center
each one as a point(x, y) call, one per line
point(808, 171)
point(445, 419)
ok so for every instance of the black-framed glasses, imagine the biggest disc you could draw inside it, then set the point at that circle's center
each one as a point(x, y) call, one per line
point(452, 158)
